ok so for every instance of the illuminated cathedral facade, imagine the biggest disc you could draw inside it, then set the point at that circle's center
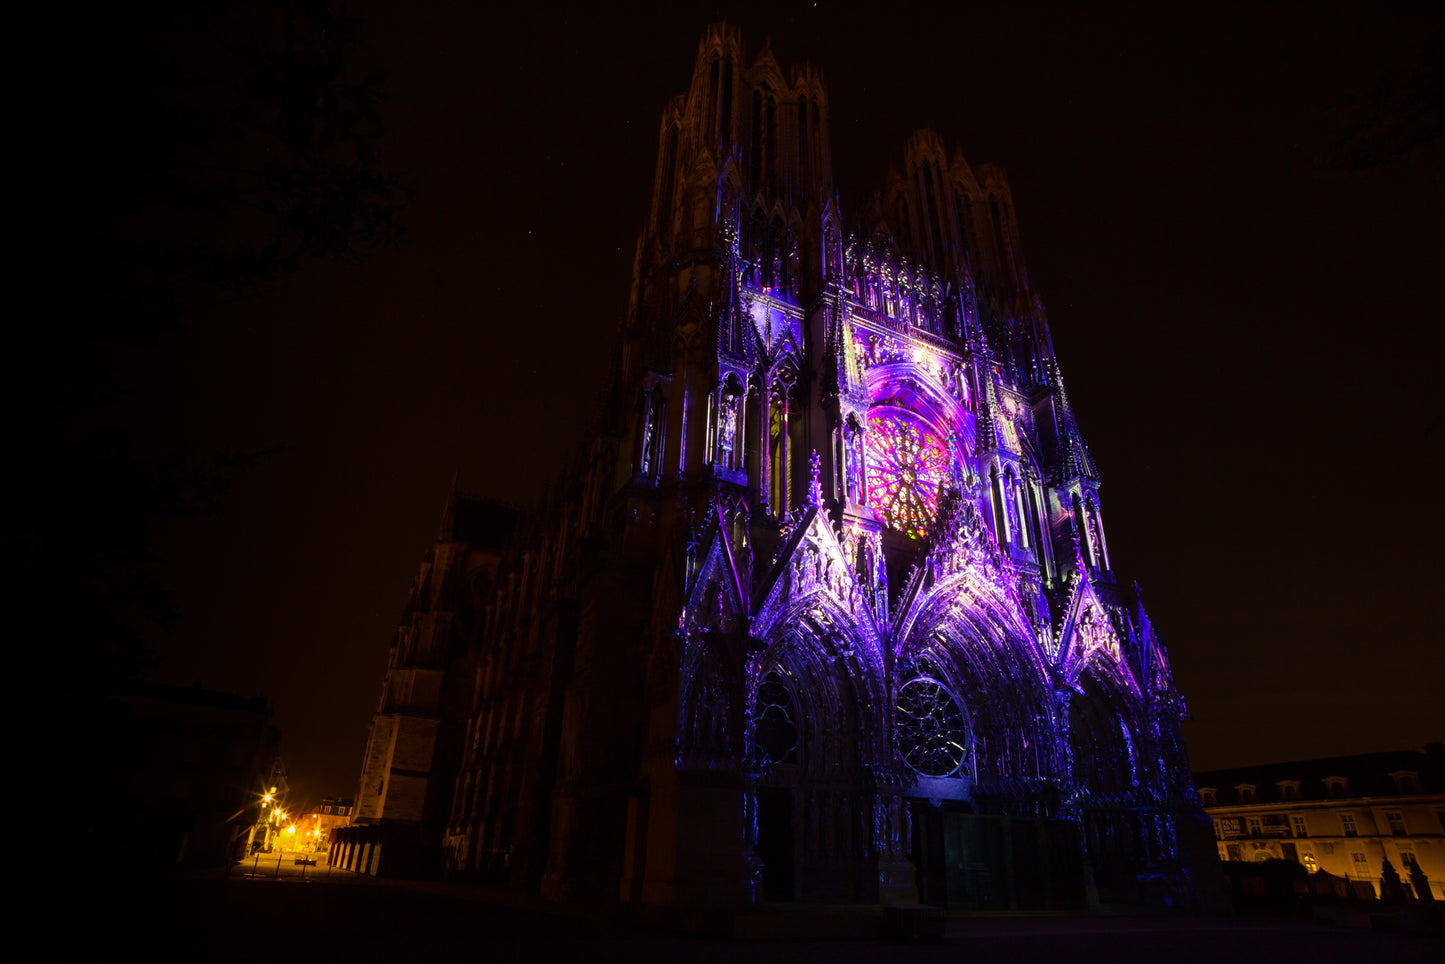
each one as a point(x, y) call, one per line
point(826, 611)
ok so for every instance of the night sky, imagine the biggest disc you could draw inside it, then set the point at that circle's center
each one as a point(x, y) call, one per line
point(1245, 305)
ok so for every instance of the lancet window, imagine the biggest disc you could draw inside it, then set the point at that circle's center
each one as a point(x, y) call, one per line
point(1035, 501)
point(775, 719)
point(757, 250)
point(1096, 533)
point(1000, 513)
point(764, 155)
point(1020, 513)
point(725, 119)
point(779, 451)
point(712, 91)
point(1081, 526)
point(754, 426)
point(669, 173)
point(650, 435)
point(805, 141)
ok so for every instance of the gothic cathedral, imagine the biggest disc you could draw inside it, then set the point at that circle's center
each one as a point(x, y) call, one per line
point(826, 610)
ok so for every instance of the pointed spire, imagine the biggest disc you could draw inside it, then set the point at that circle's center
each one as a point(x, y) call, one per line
point(1073, 458)
point(449, 513)
point(765, 56)
point(815, 483)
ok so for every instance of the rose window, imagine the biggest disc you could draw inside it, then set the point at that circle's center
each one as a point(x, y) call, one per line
point(907, 466)
point(932, 732)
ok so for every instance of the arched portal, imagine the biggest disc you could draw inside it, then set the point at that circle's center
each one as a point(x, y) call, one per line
point(1124, 833)
point(972, 686)
point(816, 730)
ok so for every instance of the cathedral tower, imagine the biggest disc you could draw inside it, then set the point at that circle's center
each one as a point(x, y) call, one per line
point(826, 611)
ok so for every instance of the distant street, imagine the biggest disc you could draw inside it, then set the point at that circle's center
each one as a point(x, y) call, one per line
point(265, 919)
point(289, 864)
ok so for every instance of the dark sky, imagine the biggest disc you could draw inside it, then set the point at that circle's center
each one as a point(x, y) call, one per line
point(1249, 328)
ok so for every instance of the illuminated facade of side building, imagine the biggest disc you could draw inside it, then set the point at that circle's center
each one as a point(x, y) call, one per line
point(826, 610)
point(1345, 816)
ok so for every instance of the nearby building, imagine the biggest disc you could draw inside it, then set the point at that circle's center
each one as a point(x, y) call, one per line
point(1345, 815)
point(316, 823)
point(414, 743)
point(827, 609)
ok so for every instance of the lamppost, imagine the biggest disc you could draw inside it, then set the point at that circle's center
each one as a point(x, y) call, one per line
point(262, 820)
point(266, 801)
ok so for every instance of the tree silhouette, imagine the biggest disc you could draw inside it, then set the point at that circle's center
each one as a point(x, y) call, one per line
point(171, 156)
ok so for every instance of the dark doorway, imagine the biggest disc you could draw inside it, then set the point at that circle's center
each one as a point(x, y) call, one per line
point(775, 842)
point(984, 862)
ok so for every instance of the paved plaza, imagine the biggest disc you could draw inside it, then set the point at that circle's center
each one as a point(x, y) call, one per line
point(268, 918)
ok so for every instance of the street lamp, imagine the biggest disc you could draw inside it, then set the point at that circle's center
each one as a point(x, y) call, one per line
point(267, 796)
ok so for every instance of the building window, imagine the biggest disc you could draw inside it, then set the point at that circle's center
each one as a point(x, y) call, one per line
point(1218, 831)
point(1336, 786)
point(1207, 796)
point(1246, 792)
point(1235, 853)
point(1256, 828)
point(1407, 859)
point(1347, 823)
point(1406, 781)
point(1310, 864)
point(1361, 865)
point(1397, 823)
point(1289, 789)
point(1299, 826)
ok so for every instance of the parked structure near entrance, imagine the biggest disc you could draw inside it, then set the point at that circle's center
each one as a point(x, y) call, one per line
point(826, 612)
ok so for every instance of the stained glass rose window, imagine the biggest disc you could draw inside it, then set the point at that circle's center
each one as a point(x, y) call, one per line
point(932, 732)
point(907, 465)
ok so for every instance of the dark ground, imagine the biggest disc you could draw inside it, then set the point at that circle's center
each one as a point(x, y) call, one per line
point(346, 919)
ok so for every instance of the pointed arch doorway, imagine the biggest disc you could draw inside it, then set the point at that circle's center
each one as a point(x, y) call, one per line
point(815, 798)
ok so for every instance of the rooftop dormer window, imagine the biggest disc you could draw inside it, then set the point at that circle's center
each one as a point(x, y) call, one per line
point(1406, 781)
